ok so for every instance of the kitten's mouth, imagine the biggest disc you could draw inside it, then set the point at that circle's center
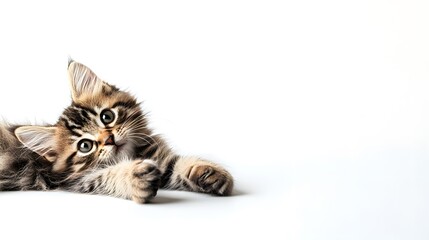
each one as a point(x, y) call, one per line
point(118, 148)
point(119, 145)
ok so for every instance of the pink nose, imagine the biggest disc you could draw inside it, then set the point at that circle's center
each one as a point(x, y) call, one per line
point(110, 140)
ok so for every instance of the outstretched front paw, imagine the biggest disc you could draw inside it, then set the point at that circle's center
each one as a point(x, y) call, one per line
point(145, 180)
point(211, 179)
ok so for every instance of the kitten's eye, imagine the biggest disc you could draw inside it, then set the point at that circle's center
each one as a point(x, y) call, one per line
point(107, 116)
point(85, 145)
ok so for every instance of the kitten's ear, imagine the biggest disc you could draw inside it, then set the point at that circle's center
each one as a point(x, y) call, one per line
point(38, 139)
point(84, 82)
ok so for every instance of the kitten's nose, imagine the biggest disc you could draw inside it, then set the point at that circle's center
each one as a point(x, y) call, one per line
point(110, 140)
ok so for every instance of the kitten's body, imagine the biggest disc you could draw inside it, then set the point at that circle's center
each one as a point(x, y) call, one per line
point(21, 168)
point(101, 144)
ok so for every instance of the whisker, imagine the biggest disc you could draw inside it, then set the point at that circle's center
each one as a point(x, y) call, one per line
point(136, 129)
point(139, 137)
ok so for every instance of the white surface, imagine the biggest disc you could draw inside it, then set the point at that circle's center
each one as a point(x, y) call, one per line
point(318, 108)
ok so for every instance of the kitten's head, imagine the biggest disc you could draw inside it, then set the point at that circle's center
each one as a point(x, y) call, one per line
point(103, 125)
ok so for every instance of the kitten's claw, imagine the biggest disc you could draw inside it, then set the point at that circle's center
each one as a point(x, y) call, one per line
point(211, 179)
point(145, 181)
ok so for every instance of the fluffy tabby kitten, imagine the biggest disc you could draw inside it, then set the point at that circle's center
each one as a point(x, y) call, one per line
point(101, 145)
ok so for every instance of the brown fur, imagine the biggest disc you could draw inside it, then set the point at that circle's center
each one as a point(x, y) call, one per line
point(125, 159)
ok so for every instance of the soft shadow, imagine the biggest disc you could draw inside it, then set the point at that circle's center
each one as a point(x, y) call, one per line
point(166, 200)
point(238, 192)
point(235, 193)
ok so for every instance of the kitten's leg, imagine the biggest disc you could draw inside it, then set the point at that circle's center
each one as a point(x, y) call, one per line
point(194, 174)
point(137, 180)
point(187, 173)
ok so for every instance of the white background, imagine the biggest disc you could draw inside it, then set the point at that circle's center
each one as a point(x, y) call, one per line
point(318, 108)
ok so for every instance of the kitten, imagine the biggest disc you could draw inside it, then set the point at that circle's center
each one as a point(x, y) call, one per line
point(101, 145)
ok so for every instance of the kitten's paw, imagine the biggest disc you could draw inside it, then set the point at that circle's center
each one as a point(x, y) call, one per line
point(211, 179)
point(145, 180)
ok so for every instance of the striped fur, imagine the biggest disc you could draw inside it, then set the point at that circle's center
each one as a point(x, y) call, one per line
point(101, 145)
